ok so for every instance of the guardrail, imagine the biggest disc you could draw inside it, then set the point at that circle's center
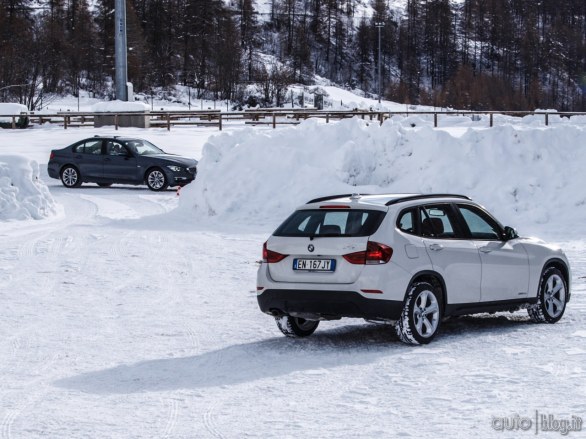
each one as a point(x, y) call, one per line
point(269, 117)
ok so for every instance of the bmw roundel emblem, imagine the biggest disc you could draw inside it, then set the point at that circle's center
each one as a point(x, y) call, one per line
point(310, 247)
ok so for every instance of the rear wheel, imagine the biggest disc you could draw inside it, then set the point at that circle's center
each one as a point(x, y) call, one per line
point(296, 326)
point(551, 298)
point(70, 176)
point(156, 180)
point(421, 316)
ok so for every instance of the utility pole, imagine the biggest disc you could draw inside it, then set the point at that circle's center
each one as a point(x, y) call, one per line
point(120, 47)
point(379, 25)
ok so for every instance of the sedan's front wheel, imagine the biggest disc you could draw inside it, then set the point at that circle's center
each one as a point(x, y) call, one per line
point(551, 298)
point(156, 180)
point(296, 326)
point(70, 176)
point(421, 316)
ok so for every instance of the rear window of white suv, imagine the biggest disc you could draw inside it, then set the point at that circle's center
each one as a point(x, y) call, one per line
point(331, 222)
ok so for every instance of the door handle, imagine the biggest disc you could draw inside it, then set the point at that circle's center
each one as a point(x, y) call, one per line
point(485, 249)
point(436, 247)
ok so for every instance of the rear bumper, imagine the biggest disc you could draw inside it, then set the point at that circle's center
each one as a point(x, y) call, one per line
point(328, 305)
point(53, 170)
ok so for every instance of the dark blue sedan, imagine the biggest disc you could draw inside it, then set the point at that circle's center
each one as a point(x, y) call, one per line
point(107, 160)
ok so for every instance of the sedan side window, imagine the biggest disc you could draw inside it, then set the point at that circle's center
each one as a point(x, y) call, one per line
point(89, 147)
point(116, 148)
point(438, 221)
point(479, 224)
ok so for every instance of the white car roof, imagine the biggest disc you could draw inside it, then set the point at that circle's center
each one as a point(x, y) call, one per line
point(380, 201)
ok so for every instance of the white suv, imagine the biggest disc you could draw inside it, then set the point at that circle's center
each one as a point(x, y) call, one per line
point(408, 259)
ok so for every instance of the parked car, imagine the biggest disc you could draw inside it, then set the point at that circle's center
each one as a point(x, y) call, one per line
point(407, 259)
point(107, 160)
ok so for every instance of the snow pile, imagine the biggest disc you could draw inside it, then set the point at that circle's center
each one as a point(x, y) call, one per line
point(529, 177)
point(11, 110)
point(120, 107)
point(22, 195)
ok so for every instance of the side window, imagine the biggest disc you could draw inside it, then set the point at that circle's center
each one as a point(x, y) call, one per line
point(89, 147)
point(406, 221)
point(116, 148)
point(438, 221)
point(481, 226)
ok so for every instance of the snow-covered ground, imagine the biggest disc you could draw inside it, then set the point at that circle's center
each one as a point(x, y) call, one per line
point(123, 317)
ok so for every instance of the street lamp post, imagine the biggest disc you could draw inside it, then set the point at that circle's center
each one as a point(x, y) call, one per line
point(379, 25)
point(120, 50)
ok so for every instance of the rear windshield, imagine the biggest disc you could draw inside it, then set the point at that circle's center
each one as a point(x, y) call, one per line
point(330, 222)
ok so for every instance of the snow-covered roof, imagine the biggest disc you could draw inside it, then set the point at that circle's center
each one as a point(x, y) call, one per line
point(119, 106)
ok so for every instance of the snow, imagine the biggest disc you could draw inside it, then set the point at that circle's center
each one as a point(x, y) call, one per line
point(126, 317)
point(22, 194)
point(119, 106)
point(7, 109)
point(278, 170)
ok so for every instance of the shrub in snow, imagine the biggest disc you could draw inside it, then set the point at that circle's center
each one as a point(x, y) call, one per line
point(527, 176)
point(22, 194)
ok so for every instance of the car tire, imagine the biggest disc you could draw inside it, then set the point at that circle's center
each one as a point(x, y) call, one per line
point(421, 316)
point(551, 298)
point(156, 180)
point(70, 176)
point(104, 184)
point(296, 326)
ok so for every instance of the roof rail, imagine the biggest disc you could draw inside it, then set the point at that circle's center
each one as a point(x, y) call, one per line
point(331, 197)
point(422, 197)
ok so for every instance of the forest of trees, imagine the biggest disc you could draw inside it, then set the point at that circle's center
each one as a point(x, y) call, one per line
point(475, 54)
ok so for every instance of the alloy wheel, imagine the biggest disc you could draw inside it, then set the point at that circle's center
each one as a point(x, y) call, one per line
point(426, 313)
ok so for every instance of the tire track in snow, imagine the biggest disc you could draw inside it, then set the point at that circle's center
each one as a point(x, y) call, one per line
point(209, 422)
point(32, 393)
point(172, 414)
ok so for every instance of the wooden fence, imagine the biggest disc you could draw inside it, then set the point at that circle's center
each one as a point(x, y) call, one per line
point(268, 117)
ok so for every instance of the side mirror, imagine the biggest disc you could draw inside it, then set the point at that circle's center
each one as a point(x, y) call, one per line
point(510, 233)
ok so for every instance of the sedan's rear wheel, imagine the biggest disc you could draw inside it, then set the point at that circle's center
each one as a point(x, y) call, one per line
point(70, 176)
point(156, 180)
point(296, 326)
point(421, 315)
point(551, 298)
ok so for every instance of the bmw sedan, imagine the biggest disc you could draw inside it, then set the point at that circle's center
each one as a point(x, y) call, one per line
point(108, 160)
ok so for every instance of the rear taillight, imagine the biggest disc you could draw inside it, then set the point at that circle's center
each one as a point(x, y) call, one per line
point(271, 257)
point(375, 254)
point(52, 156)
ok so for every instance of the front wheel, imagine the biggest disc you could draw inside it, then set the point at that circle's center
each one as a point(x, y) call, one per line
point(156, 180)
point(421, 316)
point(551, 298)
point(70, 177)
point(296, 326)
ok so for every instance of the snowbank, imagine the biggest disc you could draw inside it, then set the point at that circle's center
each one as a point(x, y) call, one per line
point(8, 109)
point(22, 195)
point(119, 106)
point(530, 177)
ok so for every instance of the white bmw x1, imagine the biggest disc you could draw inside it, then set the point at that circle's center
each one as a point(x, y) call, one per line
point(407, 259)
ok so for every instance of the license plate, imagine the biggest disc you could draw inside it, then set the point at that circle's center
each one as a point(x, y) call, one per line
point(314, 264)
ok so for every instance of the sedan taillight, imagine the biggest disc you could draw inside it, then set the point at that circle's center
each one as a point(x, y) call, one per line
point(52, 156)
point(271, 257)
point(374, 254)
